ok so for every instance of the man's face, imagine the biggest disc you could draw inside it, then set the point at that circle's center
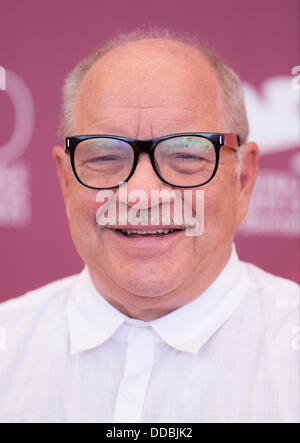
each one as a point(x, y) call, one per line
point(145, 90)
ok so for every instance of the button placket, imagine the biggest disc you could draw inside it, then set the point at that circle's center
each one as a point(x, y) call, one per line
point(133, 387)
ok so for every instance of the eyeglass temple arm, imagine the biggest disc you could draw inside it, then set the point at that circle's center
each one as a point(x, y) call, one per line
point(232, 141)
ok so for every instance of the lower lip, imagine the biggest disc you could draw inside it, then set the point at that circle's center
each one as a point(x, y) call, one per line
point(147, 240)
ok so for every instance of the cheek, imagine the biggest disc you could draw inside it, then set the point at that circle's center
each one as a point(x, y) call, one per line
point(83, 209)
point(220, 206)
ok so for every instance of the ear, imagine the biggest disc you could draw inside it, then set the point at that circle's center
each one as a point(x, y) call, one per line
point(62, 167)
point(248, 174)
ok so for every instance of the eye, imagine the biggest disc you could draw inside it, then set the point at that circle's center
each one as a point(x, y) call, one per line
point(104, 158)
point(187, 156)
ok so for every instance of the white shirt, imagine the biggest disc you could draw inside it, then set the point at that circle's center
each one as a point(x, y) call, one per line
point(67, 355)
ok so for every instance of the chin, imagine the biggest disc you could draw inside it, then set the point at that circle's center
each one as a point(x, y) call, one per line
point(150, 285)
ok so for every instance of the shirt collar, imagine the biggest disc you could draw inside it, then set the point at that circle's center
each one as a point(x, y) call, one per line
point(190, 327)
point(92, 320)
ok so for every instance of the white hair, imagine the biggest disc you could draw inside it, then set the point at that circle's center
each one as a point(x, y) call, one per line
point(231, 90)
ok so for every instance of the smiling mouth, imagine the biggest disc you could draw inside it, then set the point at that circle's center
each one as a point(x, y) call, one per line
point(134, 233)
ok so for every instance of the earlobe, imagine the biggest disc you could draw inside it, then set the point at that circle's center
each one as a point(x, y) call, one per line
point(61, 166)
point(248, 174)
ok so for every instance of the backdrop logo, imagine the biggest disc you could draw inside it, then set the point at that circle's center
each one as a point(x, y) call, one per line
point(274, 124)
point(15, 208)
point(2, 78)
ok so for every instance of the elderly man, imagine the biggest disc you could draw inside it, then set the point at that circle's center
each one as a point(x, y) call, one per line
point(164, 324)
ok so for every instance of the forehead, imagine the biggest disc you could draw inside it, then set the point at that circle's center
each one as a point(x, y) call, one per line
point(154, 78)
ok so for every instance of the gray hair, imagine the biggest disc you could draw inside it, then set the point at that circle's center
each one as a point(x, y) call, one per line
point(231, 89)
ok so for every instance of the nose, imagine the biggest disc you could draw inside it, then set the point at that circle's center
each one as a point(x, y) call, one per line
point(146, 180)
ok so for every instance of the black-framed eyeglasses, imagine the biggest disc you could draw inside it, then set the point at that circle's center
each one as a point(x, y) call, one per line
point(184, 160)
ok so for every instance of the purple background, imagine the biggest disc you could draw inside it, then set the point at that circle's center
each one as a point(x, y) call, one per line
point(41, 41)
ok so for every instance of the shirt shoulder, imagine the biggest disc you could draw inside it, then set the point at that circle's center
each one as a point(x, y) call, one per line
point(51, 295)
point(275, 303)
point(285, 291)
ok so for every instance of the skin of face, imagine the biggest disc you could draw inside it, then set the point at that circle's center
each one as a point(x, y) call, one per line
point(143, 90)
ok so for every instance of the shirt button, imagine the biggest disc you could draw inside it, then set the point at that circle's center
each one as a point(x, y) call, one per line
point(131, 394)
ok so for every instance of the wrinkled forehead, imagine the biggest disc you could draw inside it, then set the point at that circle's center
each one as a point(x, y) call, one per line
point(149, 75)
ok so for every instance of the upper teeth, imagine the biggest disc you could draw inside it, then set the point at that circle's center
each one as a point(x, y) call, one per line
point(156, 231)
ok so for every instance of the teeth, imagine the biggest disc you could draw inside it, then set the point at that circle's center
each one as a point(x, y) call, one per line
point(156, 231)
